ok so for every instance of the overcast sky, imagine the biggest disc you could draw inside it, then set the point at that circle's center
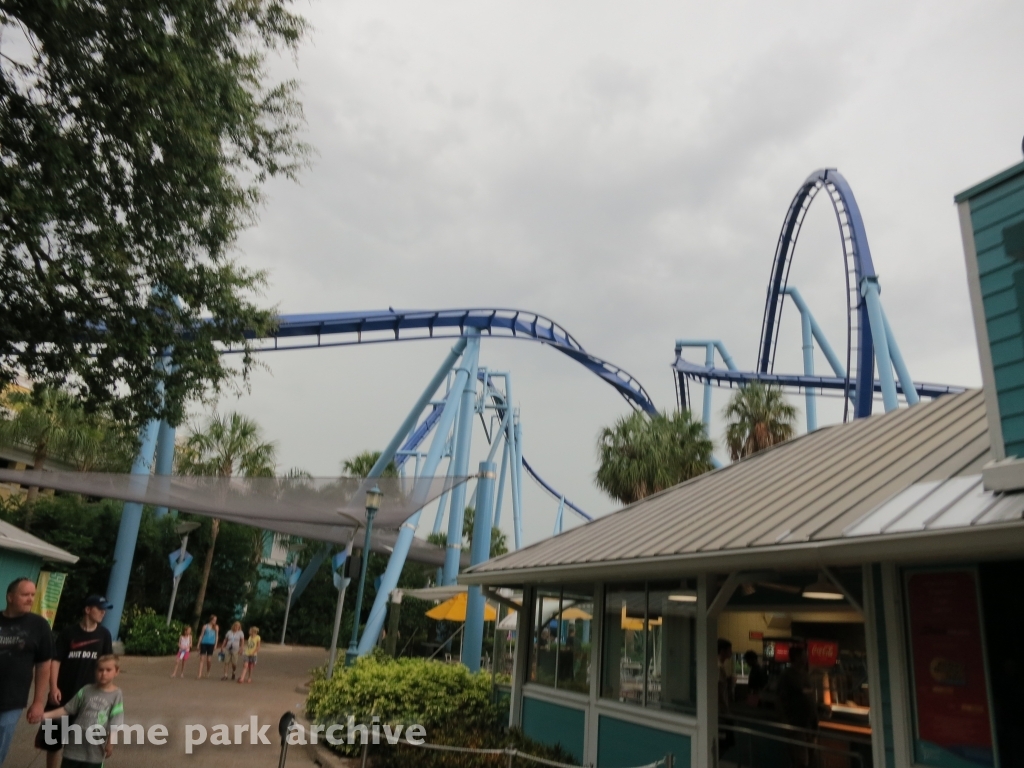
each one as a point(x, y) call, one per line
point(623, 168)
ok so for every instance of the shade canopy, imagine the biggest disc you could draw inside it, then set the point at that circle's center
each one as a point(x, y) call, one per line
point(454, 609)
point(323, 509)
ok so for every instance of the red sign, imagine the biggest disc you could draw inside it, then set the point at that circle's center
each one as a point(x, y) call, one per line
point(752, 635)
point(950, 687)
point(822, 653)
point(777, 650)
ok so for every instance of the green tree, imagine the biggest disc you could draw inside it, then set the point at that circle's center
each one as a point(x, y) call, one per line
point(135, 138)
point(227, 446)
point(361, 464)
point(499, 542)
point(640, 454)
point(759, 417)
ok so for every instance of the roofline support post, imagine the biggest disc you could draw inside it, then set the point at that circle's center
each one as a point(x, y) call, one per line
point(842, 588)
point(389, 580)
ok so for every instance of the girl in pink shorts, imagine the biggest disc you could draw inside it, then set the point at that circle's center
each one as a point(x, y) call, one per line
point(184, 646)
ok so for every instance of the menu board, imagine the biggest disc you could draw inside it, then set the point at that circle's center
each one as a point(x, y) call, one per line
point(954, 727)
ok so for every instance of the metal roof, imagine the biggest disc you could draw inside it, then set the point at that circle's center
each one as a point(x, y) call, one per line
point(850, 485)
point(17, 540)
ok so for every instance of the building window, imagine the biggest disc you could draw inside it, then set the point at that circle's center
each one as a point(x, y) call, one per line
point(649, 637)
point(560, 646)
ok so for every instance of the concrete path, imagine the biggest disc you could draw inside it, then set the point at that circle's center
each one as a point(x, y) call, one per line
point(151, 697)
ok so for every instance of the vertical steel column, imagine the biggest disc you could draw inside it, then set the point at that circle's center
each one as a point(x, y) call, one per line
point(709, 361)
point(439, 517)
point(164, 456)
point(128, 531)
point(808, 349)
point(479, 552)
point(559, 516)
point(389, 580)
point(869, 290)
point(463, 444)
point(909, 390)
point(517, 478)
point(501, 480)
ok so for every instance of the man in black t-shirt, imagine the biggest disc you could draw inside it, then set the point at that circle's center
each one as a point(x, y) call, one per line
point(74, 664)
point(26, 647)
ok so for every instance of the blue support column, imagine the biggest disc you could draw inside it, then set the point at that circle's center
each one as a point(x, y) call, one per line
point(559, 516)
point(164, 456)
point(479, 552)
point(517, 479)
point(499, 496)
point(128, 531)
point(808, 350)
point(909, 390)
point(709, 361)
point(869, 290)
point(405, 535)
point(439, 517)
point(463, 444)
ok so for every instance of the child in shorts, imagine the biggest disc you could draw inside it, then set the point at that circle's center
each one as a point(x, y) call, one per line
point(252, 647)
point(98, 704)
point(184, 647)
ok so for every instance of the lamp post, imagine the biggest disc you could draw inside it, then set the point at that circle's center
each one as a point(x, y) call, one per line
point(291, 573)
point(183, 530)
point(373, 497)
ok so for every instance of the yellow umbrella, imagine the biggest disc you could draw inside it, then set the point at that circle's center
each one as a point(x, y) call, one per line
point(454, 609)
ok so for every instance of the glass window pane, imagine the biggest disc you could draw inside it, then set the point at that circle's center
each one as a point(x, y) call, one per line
point(671, 659)
point(623, 664)
point(574, 638)
point(544, 648)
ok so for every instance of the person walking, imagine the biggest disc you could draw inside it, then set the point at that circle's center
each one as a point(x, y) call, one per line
point(232, 649)
point(99, 705)
point(208, 637)
point(74, 664)
point(26, 647)
point(184, 648)
point(796, 700)
point(252, 648)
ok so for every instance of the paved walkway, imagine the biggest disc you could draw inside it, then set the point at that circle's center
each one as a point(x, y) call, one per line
point(151, 697)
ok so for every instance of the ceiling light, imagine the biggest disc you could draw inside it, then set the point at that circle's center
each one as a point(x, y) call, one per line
point(683, 597)
point(822, 589)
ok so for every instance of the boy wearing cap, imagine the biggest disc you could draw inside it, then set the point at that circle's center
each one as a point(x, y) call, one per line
point(74, 663)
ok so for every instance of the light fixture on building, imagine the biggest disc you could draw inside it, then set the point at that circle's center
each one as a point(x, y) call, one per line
point(683, 597)
point(822, 589)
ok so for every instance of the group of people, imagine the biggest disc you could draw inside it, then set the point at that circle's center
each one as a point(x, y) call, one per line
point(72, 676)
point(232, 649)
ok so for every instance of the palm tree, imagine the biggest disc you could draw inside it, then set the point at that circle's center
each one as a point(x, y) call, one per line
point(759, 418)
point(641, 454)
point(361, 464)
point(48, 422)
point(229, 445)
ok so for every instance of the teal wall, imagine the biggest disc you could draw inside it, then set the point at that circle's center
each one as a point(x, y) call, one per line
point(997, 218)
point(555, 724)
point(621, 744)
point(14, 565)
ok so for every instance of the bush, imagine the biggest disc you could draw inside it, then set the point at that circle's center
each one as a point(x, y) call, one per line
point(147, 634)
point(454, 705)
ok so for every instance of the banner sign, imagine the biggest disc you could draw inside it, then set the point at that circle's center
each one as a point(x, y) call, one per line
point(954, 725)
point(179, 568)
point(49, 586)
point(777, 650)
point(822, 653)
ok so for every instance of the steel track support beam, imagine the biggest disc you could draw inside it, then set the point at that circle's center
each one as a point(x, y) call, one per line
point(463, 445)
point(164, 464)
point(500, 495)
point(480, 551)
point(907, 383)
point(869, 290)
point(128, 530)
point(396, 562)
point(517, 481)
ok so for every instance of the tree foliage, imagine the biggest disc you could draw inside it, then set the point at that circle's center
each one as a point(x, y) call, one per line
point(361, 464)
point(134, 141)
point(640, 455)
point(759, 417)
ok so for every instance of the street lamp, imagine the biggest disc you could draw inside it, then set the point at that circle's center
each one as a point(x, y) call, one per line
point(183, 530)
point(373, 497)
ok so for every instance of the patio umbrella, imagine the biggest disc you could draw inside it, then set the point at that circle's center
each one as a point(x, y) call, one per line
point(454, 609)
point(571, 614)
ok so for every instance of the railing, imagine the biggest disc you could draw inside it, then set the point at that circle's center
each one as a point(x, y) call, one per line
point(815, 751)
point(668, 761)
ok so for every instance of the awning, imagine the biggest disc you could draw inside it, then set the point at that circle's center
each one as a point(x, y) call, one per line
point(17, 540)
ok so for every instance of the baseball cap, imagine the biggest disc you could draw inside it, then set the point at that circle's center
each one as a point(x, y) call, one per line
point(98, 601)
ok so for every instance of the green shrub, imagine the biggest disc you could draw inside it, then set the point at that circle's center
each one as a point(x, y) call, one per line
point(147, 634)
point(452, 704)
